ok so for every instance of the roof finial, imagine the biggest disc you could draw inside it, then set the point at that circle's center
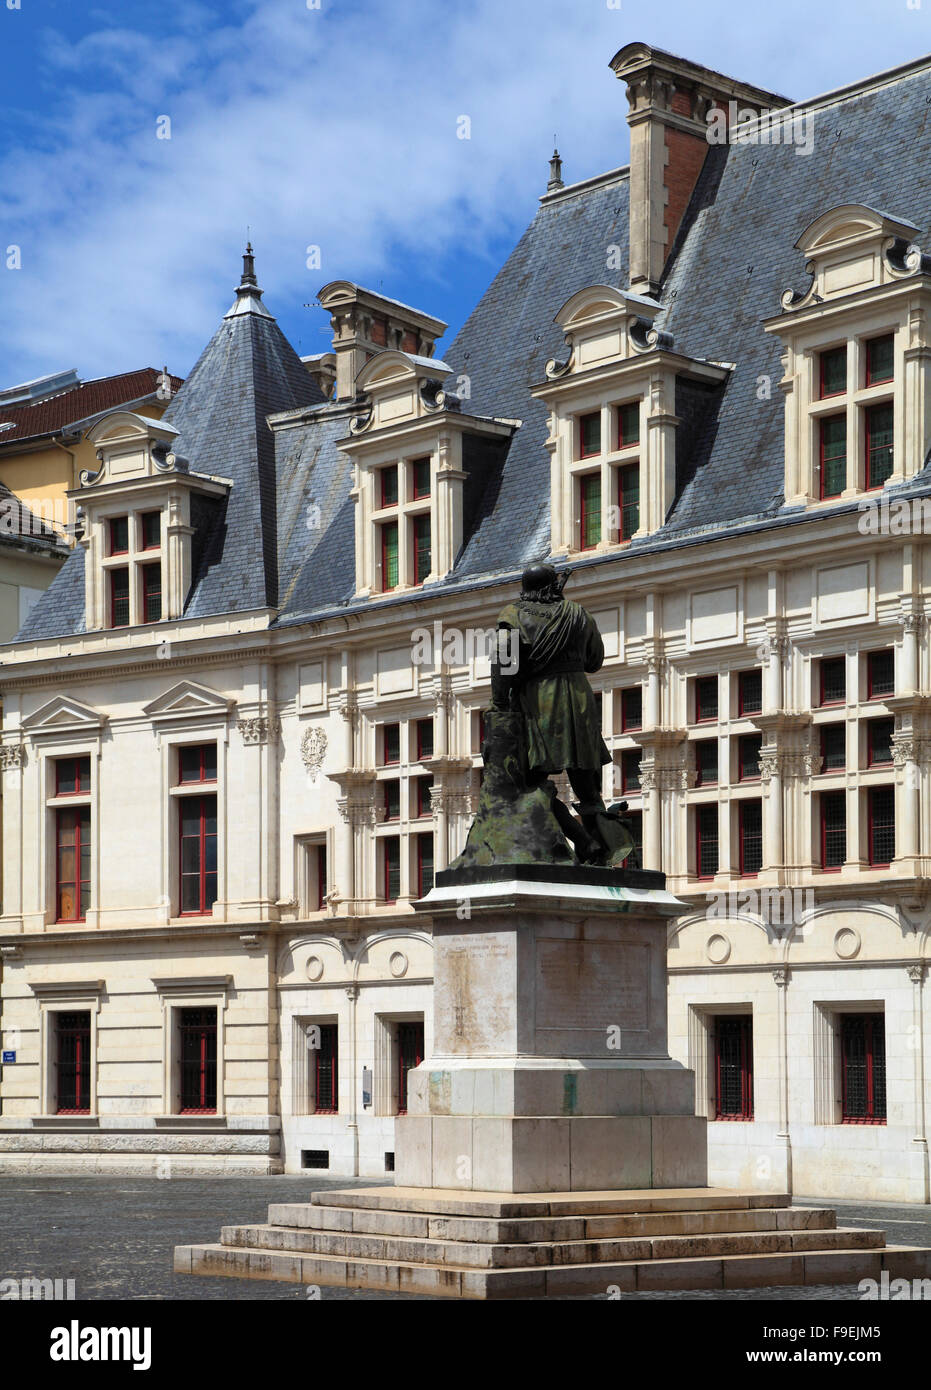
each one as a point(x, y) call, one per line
point(555, 171)
point(248, 268)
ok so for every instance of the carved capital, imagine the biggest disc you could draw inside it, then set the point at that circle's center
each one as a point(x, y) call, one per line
point(261, 729)
point(781, 976)
point(12, 757)
point(916, 972)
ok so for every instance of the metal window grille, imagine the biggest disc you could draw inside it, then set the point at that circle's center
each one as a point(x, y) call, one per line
point(410, 1055)
point(706, 762)
point(326, 1070)
point(833, 829)
point(879, 741)
point(881, 820)
point(880, 674)
point(632, 709)
point(750, 692)
point(833, 672)
point(750, 825)
point(733, 1066)
point(833, 747)
point(748, 757)
point(706, 835)
point(863, 1069)
point(198, 1030)
point(706, 698)
point(74, 1072)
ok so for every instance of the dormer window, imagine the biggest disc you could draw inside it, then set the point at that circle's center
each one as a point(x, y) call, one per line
point(833, 372)
point(151, 523)
point(590, 435)
point(119, 535)
point(628, 425)
point(135, 579)
point(879, 359)
point(389, 485)
point(420, 475)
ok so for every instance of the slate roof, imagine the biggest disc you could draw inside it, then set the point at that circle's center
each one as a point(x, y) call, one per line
point(53, 414)
point(289, 533)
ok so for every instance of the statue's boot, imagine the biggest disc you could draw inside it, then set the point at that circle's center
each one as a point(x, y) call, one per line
point(589, 848)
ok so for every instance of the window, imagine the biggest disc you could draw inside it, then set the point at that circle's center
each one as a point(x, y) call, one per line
point(733, 1066)
point(391, 886)
point(863, 1069)
point(151, 524)
point(388, 478)
point(422, 805)
point(198, 1061)
point(833, 747)
point(151, 593)
point(833, 456)
point(630, 769)
point(706, 699)
point(590, 434)
point(422, 551)
point(589, 510)
point(197, 816)
point(424, 864)
point(197, 762)
point(833, 829)
point(880, 816)
point(878, 438)
point(706, 762)
point(410, 1055)
point(390, 744)
point(635, 819)
point(326, 1069)
point(879, 359)
point(391, 799)
point(319, 883)
point(833, 680)
point(119, 597)
point(749, 692)
point(631, 709)
point(748, 757)
point(628, 500)
point(833, 372)
point(750, 834)
point(424, 739)
point(119, 535)
point(706, 841)
point(628, 425)
point(420, 474)
point(879, 742)
point(72, 776)
point(880, 674)
point(389, 556)
point(72, 864)
point(73, 1048)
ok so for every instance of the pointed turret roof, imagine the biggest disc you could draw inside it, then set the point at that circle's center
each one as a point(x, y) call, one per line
point(246, 372)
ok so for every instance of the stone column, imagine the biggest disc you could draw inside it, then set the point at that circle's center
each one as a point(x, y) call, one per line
point(916, 974)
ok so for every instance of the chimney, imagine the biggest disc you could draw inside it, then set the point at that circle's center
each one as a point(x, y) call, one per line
point(669, 100)
point(365, 322)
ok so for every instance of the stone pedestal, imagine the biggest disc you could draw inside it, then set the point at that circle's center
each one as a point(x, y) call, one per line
point(550, 1069)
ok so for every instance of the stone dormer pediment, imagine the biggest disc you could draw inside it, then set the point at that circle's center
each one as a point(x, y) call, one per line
point(400, 386)
point(601, 324)
point(64, 715)
point(188, 699)
point(129, 446)
point(853, 247)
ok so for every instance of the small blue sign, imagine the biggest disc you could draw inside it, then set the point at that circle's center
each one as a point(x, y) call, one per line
point(9, 1056)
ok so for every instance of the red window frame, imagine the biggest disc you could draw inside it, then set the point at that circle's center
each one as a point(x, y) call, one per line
point(121, 573)
point(871, 678)
point(410, 1055)
point(863, 1051)
point(151, 592)
point(76, 823)
point(879, 823)
point(826, 730)
point(705, 683)
point(391, 865)
point(206, 810)
point(743, 745)
point(113, 547)
point(394, 732)
point(422, 797)
point(81, 774)
point(702, 778)
point(206, 758)
point(583, 452)
point(830, 352)
point(746, 834)
point(733, 1066)
point(422, 545)
point(391, 798)
point(389, 471)
point(73, 1047)
point(630, 769)
point(704, 814)
point(871, 379)
point(145, 520)
point(198, 1061)
point(828, 802)
point(872, 726)
point(826, 420)
point(321, 868)
point(628, 482)
point(744, 705)
point(869, 418)
point(633, 696)
point(390, 528)
point(831, 661)
point(326, 1070)
point(417, 468)
point(630, 410)
point(425, 864)
point(424, 736)
point(585, 506)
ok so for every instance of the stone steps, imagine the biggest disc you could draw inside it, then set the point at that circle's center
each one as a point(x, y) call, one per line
point(496, 1255)
point(437, 1281)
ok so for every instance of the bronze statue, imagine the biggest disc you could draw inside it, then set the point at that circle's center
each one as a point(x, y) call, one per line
point(545, 720)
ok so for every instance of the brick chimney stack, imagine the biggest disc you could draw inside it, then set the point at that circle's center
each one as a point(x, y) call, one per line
point(669, 100)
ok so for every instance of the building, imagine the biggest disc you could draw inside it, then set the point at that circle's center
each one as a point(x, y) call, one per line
point(703, 382)
point(44, 425)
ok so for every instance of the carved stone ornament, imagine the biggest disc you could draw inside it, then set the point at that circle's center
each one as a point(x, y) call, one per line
point(12, 757)
point(313, 751)
point(259, 730)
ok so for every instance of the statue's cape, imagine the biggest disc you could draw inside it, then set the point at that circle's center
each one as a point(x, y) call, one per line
point(567, 622)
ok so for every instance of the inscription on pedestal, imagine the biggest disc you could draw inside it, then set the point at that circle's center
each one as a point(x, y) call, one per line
point(592, 984)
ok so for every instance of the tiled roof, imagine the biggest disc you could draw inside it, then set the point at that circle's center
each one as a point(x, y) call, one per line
point(36, 418)
point(289, 532)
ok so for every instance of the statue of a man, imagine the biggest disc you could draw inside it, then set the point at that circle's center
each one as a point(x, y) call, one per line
point(557, 645)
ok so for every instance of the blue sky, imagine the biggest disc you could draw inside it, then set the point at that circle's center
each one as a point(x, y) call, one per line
point(333, 127)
